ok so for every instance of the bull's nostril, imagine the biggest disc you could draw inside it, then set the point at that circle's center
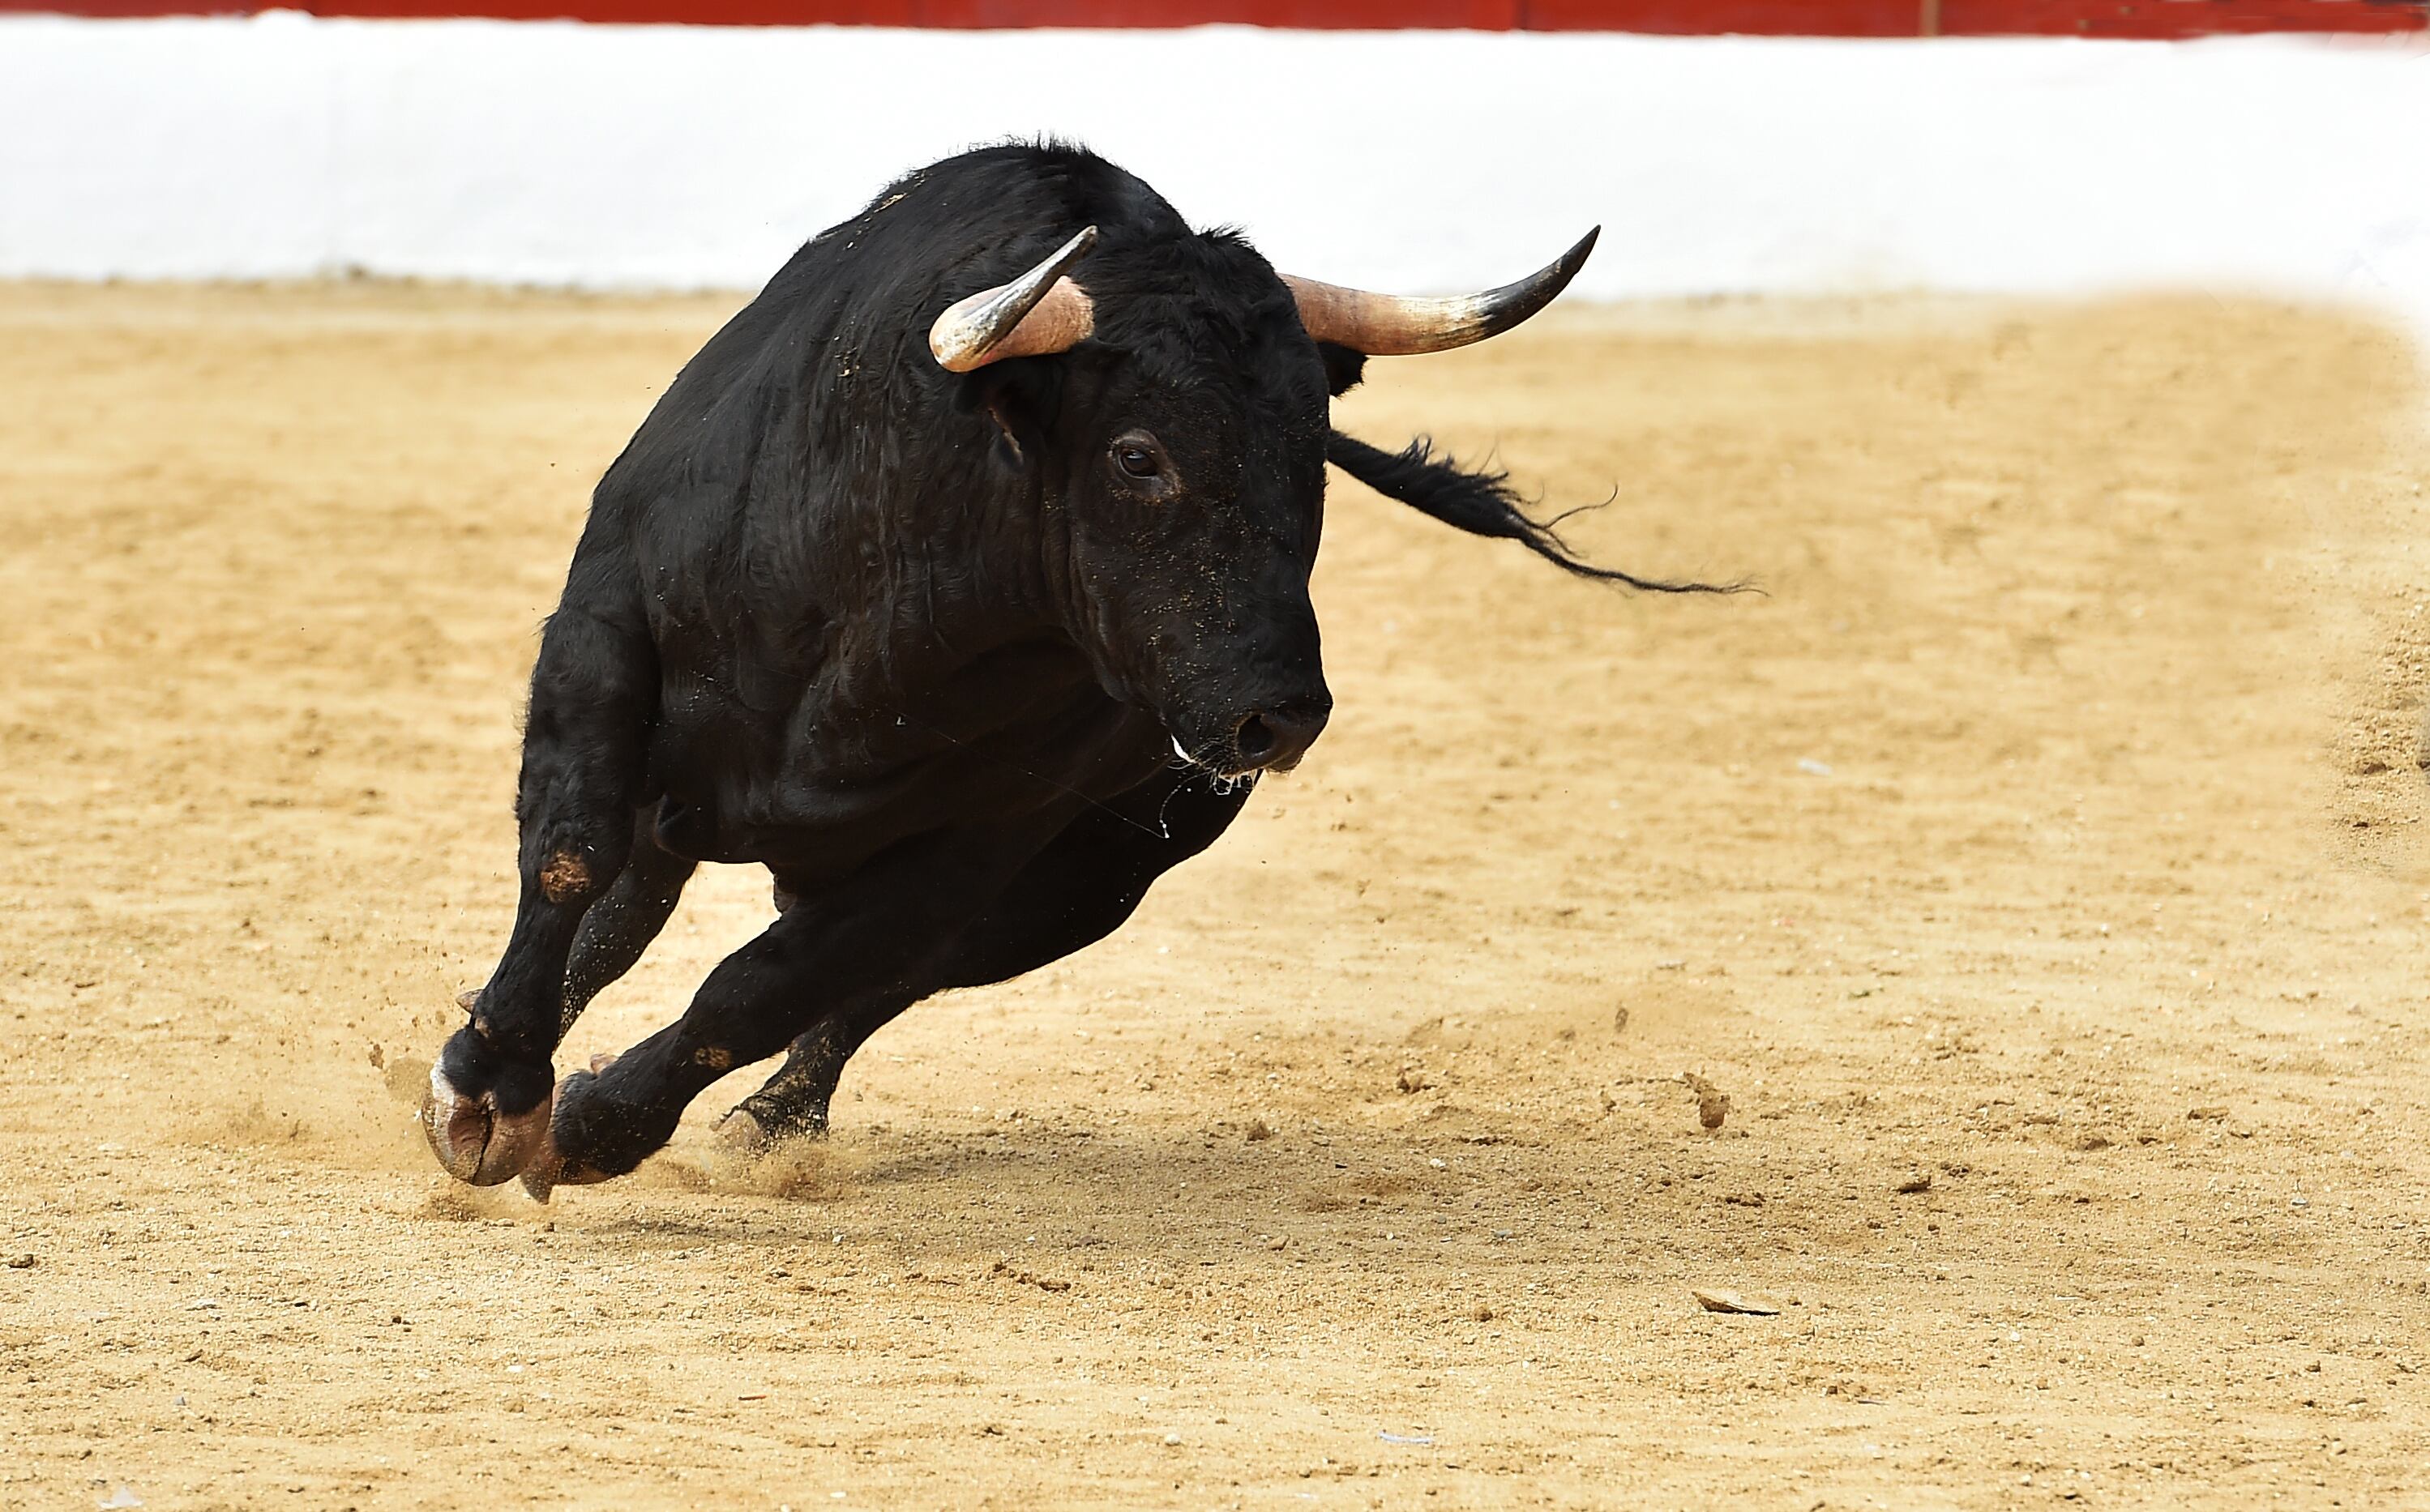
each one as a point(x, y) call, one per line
point(1256, 739)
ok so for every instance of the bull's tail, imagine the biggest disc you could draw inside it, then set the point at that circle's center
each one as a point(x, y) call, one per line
point(1482, 503)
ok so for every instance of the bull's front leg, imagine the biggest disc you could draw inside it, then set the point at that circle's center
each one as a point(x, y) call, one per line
point(487, 1115)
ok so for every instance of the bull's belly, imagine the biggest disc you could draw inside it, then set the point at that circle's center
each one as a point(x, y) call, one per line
point(806, 818)
point(809, 827)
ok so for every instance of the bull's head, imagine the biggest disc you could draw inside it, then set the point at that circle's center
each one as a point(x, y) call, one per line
point(1174, 409)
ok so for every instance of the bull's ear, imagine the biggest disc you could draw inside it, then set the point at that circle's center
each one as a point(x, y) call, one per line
point(1021, 395)
point(1343, 367)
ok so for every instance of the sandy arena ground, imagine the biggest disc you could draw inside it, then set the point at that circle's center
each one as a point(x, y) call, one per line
point(2038, 870)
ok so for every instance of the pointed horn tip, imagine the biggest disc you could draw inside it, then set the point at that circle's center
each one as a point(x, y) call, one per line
point(1059, 262)
point(1514, 305)
point(1565, 267)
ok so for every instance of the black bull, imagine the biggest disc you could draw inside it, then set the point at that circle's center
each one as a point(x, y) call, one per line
point(967, 625)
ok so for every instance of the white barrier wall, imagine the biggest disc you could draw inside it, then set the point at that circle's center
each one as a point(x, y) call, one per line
point(679, 156)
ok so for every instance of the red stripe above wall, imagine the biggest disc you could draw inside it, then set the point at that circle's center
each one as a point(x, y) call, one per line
point(1977, 18)
point(2171, 17)
point(1806, 18)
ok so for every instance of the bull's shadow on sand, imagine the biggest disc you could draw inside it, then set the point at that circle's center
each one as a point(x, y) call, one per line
point(1636, 1183)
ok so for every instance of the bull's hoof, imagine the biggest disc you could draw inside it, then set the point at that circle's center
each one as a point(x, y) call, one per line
point(474, 1141)
point(741, 1133)
point(549, 1169)
point(760, 1122)
point(600, 1129)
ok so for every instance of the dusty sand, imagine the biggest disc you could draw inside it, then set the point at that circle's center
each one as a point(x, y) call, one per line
point(2050, 832)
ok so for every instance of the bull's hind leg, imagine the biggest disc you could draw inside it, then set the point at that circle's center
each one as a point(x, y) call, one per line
point(487, 1115)
point(876, 937)
point(797, 1096)
point(793, 1104)
point(1075, 893)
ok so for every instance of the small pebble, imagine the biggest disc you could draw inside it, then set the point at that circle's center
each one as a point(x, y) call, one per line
point(1712, 1103)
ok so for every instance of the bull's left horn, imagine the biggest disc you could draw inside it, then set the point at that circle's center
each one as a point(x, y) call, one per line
point(1036, 315)
point(1391, 325)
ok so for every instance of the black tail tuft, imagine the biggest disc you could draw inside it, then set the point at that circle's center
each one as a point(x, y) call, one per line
point(1482, 503)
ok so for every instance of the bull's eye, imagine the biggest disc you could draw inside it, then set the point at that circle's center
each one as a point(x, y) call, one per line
point(1139, 464)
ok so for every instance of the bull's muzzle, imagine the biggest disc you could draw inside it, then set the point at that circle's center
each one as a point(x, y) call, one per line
point(1274, 739)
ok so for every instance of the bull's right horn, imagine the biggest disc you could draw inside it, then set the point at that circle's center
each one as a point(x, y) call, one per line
point(1036, 315)
point(1395, 325)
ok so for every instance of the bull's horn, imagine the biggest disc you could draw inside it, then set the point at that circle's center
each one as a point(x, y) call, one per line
point(1389, 325)
point(1037, 313)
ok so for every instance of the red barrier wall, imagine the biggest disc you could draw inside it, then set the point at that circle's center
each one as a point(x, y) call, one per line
point(1809, 18)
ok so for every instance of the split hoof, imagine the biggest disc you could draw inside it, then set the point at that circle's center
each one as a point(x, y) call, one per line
point(739, 1132)
point(475, 1142)
point(751, 1131)
point(549, 1169)
point(544, 1175)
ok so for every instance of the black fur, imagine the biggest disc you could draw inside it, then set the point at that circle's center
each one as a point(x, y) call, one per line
point(916, 643)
